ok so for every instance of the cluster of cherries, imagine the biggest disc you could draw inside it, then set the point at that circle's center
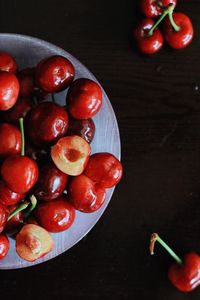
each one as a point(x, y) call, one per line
point(43, 184)
point(177, 27)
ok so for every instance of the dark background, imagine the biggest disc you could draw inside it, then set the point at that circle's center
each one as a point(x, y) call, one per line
point(157, 102)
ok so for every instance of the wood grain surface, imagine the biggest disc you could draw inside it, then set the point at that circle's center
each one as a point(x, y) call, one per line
point(157, 102)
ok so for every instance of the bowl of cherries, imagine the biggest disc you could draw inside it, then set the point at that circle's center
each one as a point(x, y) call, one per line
point(59, 151)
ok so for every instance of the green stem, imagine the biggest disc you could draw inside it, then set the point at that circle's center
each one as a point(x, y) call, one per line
point(32, 206)
point(176, 27)
point(21, 124)
point(18, 209)
point(155, 238)
point(167, 11)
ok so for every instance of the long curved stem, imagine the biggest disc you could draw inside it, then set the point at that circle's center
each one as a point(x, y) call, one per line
point(155, 238)
point(21, 124)
point(33, 204)
point(18, 209)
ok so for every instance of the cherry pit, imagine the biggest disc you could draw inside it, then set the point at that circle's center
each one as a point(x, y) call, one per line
point(47, 170)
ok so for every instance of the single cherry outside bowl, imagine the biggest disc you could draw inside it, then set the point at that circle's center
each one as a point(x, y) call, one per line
point(28, 51)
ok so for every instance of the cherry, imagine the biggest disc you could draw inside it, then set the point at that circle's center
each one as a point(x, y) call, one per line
point(3, 216)
point(20, 173)
point(27, 82)
point(8, 197)
point(184, 274)
point(55, 216)
point(9, 90)
point(7, 63)
point(15, 223)
point(4, 245)
point(104, 169)
point(52, 121)
point(82, 128)
point(154, 8)
point(19, 110)
point(178, 30)
point(51, 182)
point(148, 41)
point(38, 154)
point(54, 74)
point(11, 140)
point(84, 98)
point(85, 195)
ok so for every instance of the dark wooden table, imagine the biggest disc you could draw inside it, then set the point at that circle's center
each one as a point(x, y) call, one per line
point(157, 103)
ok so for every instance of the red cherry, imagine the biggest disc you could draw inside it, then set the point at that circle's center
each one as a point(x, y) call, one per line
point(46, 123)
point(186, 276)
point(7, 63)
point(26, 81)
point(51, 182)
point(84, 98)
point(148, 43)
point(8, 197)
point(3, 216)
point(54, 74)
point(154, 8)
point(20, 173)
point(19, 110)
point(16, 222)
point(9, 90)
point(104, 169)
point(55, 216)
point(85, 195)
point(11, 140)
point(178, 30)
point(4, 245)
point(82, 128)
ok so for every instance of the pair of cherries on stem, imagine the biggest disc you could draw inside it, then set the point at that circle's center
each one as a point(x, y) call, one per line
point(177, 28)
point(184, 274)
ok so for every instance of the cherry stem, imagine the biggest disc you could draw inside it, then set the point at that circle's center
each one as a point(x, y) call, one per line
point(176, 27)
point(18, 209)
point(155, 238)
point(167, 11)
point(32, 207)
point(21, 124)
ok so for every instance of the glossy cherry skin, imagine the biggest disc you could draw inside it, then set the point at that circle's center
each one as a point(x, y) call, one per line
point(9, 90)
point(51, 182)
point(186, 277)
point(147, 44)
point(4, 213)
point(8, 197)
point(20, 173)
point(82, 128)
point(7, 63)
point(55, 216)
point(26, 81)
point(10, 138)
point(4, 246)
point(85, 195)
point(104, 169)
point(15, 223)
point(54, 74)
point(84, 98)
point(151, 8)
point(46, 123)
point(178, 39)
point(19, 110)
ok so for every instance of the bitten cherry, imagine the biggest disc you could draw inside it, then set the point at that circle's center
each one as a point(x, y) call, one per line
point(9, 90)
point(54, 74)
point(154, 8)
point(184, 274)
point(4, 245)
point(84, 98)
point(7, 63)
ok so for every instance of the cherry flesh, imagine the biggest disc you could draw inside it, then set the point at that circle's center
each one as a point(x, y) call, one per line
point(9, 90)
point(54, 74)
point(82, 128)
point(55, 216)
point(8, 197)
point(46, 123)
point(154, 8)
point(85, 195)
point(51, 182)
point(104, 169)
point(11, 140)
point(4, 246)
point(7, 63)
point(84, 98)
